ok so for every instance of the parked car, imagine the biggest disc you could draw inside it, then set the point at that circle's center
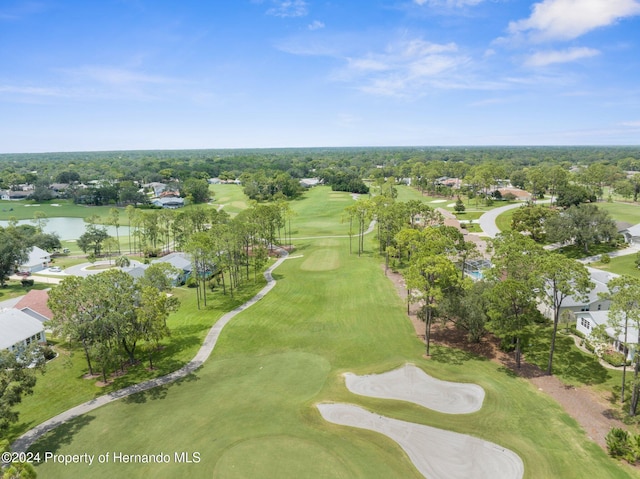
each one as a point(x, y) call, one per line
point(55, 269)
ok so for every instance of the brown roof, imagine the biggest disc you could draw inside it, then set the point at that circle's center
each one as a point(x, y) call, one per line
point(36, 300)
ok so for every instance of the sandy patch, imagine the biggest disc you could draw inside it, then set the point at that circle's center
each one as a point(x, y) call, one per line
point(436, 453)
point(438, 201)
point(451, 205)
point(412, 384)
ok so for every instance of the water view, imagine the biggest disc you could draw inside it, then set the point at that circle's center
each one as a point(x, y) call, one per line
point(69, 228)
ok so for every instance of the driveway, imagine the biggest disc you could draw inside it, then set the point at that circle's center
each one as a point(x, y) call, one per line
point(84, 268)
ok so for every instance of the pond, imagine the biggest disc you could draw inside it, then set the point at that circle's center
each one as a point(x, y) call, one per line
point(70, 228)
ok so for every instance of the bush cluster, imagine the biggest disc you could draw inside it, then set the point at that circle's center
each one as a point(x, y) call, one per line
point(621, 444)
point(615, 358)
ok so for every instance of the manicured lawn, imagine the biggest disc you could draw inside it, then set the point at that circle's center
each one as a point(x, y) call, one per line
point(231, 197)
point(620, 265)
point(320, 212)
point(13, 289)
point(503, 221)
point(250, 410)
point(627, 212)
point(188, 328)
point(24, 210)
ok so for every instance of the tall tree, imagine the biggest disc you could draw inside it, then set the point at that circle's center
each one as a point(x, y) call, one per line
point(562, 277)
point(13, 252)
point(624, 312)
point(584, 224)
point(515, 280)
point(17, 379)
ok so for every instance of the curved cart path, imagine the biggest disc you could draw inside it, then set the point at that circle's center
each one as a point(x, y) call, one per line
point(24, 442)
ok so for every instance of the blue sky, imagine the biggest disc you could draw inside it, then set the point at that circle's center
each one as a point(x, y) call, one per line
point(162, 74)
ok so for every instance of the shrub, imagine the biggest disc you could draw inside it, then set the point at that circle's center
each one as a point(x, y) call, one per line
point(192, 282)
point(605, 259)
point(48, 352)
point(614, 358)
point(618, 443)
point(27, 282)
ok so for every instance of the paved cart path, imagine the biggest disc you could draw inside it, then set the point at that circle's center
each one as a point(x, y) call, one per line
point(28, 438)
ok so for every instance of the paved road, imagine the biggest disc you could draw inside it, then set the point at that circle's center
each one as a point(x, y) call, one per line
point(28, 438)
point(488, 220)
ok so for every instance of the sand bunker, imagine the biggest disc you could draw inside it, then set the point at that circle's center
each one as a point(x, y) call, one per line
point(437, 454)
point(410, 383)
point(438, 201)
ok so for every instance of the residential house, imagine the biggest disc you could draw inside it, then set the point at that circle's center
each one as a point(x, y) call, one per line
point(521, 195)
point(180, 261)
point(11, 195)
point(632, 234)
point(38, 260)
point(592, 301)
point(34, 303)
point(310, 182)
point(18, 330)
point(169, 202)
point(586, 321)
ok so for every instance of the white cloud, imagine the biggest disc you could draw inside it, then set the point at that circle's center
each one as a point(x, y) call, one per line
point(540, 59)
point(631, 124)
point(405, 68)
point(568, 19)
point(288, 8)
point(316, 25)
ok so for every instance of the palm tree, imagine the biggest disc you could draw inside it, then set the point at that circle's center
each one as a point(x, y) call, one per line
point(123, 262)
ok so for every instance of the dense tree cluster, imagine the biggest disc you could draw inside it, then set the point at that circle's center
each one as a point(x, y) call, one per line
point(109, 314)
point(267, 186)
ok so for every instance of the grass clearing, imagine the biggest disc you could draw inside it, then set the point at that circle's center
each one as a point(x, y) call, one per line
point(279, 358)
point(620, 265)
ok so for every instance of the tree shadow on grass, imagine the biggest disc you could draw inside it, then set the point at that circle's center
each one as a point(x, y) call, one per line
point(455, 356)
point(61, 435)
point(158, 392)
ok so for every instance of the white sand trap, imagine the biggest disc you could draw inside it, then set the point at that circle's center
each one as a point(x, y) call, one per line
point(451, 205)
point(437, 454)
point(410, 383)
point(438, 201)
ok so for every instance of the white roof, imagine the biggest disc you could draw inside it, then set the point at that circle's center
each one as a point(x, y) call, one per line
point(179, 260)
point(37, 256)
point(634, 230)
point(602, 317)
point(16, 326)
point(600, 279)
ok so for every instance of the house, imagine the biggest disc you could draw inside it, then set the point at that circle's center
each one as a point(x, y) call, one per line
point(169, 202)
point(310, 182)
point(34, 303)
point(632, 234)
point(18, 330)
point(521, 195)
point(38, 260)
point(586, 321)
point(14, 195)
point(592, 302)
point(180, 261)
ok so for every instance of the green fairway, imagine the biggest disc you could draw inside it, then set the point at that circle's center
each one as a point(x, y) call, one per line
point(250, 411)
point(627, 212)
point(230, 197)
point(320, 212)
point(24, 210)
